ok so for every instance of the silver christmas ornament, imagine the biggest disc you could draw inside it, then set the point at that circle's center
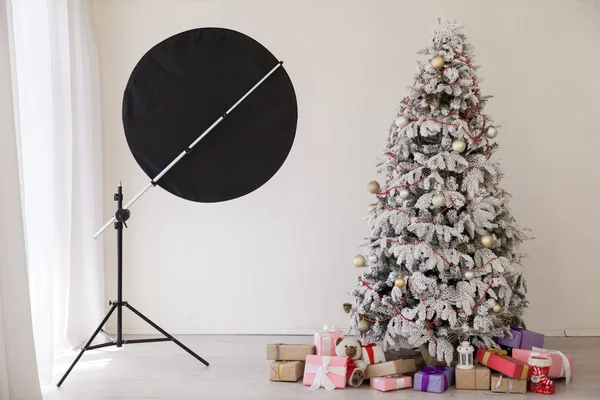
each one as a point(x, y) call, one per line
point(373, 258)
point(459, 145)
point(491, 132)
point(401, 122)
point(438, 200)
point(469, 275)
point(404, 193)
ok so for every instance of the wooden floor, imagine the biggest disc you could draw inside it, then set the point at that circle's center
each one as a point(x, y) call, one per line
point(238, 370)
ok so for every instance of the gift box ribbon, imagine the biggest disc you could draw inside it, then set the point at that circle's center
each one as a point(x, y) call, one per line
point(369, 349)
point(510, 384)
point(321, 371)
point(279, 370)
point(514, 328)
point(428, 371)
point(277, 350)
point(565, 369)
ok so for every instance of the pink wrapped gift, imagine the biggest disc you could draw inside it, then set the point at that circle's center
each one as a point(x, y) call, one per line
point(393, 382)
point(325, 340)
point(562, 364)
point(325, 371)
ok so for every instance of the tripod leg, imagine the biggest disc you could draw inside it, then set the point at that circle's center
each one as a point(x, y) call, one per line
point(158, 328)
point(84, 348)
point(107, 335)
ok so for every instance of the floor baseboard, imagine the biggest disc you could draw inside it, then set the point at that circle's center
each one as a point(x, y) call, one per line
point(581, 332)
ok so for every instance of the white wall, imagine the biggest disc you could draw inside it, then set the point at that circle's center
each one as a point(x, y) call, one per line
point(280, 259)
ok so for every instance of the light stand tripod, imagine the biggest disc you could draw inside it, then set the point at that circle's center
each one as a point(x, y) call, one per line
point(119, 220)
point(121, 216)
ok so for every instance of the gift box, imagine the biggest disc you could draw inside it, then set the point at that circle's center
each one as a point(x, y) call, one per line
point(289, 352)
point(521, 339)
point(434, 379)
point(562, 364)
point(325, 341)
point(477, 378)
point(395, 367)
point(394, 382)
point(286, 371)
point(496, 360)
point(372, 354)
point(404, 354)
point(325, 371)
point(503, 384)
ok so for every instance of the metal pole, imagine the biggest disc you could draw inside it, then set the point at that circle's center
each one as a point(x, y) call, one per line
point(186, 151)
point(119, 269)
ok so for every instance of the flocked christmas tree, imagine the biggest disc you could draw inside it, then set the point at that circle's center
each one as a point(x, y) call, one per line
point(440, 261)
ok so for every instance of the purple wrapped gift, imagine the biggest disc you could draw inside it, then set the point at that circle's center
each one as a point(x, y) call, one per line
point(522, 339)
point(434, 379)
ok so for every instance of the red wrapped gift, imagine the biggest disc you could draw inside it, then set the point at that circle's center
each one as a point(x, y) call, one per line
point(499, 361)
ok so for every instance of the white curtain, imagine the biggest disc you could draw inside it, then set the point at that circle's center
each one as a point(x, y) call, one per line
point(59, 129)
point(18, 374)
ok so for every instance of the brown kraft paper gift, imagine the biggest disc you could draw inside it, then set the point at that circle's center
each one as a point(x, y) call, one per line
point(286, 371)
point(289, 352)
point(477, 378)
point(503, 384)
point(404, 367)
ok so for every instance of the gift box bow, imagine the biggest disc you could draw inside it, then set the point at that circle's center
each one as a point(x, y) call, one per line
point(369, 349)
point(500, 352)
point(321, 371)
point(565, 369)
point(431, 370)
point(327, 328)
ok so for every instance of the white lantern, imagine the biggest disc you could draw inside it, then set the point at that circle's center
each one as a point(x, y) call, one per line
point(465, 355)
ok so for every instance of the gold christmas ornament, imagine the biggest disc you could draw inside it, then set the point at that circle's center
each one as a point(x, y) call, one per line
point(487, 240)
point(347, 307)
point(459, 145)
point(373, 187)
point(462, 247)
point(425, 172)
point(363, 326)
point(497, 308)
point(437, 62)
point(359, 261)
point(371, 206)
point(399, 282)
